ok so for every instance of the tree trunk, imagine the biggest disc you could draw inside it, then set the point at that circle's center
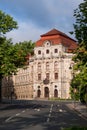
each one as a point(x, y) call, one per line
point(0, 88)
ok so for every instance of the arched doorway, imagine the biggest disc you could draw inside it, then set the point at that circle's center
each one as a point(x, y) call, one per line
point(38, 93)
point(55, 93)
point(46, 92)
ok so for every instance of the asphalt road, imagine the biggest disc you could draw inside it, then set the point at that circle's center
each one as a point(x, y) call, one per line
point(39, 115)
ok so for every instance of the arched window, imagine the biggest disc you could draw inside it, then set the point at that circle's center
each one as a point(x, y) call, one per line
point(55, 50)
point(39, 52)
point(47, 51)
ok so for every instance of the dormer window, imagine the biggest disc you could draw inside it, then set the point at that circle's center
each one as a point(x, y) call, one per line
point(39, 52)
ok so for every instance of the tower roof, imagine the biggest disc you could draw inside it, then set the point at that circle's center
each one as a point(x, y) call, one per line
point(56, 37)
point(55, 32)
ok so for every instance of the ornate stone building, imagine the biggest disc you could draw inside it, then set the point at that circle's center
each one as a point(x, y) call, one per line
point(48, 74)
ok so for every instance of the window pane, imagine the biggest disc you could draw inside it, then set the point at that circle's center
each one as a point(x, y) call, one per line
point(47, 75)
point(56, 75)
point(39, 66)
point(47, 51)
point(39, 52)
point(47, 65)
point(55, 50)
point(39, 76)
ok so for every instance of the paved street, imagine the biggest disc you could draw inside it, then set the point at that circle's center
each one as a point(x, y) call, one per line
point(39, 115)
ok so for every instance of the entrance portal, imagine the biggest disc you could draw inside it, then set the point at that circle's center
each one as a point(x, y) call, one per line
point(46, 92)
point(55, 93)
point(38, 93)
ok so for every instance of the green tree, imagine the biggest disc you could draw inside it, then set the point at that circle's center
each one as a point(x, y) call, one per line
point(6, 23)
point(80, 58)
point(80, 26)
point(12, 55)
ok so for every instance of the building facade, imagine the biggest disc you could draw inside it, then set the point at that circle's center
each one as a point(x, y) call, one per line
point(48, 74)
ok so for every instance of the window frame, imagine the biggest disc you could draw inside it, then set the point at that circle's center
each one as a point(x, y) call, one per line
point(39, 76)
point(39, 52)
point(47, 51)
point(56, 75)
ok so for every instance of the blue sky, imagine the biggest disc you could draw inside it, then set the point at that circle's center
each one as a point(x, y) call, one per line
point(36, 17)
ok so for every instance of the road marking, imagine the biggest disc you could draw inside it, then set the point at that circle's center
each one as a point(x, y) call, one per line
point(23, 111)
point(9, 118)
point(36, 109)
point(17, 114)
point(49, 115)
point(50, 111)
point(60, 110)
point(48, 119)
point(51, 105)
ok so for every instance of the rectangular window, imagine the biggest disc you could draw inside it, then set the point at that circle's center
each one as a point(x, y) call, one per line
point(56, 75)
point(39, 76)
point(39, 66)
point(47, 75)
point(47, 65)
point(55, 50)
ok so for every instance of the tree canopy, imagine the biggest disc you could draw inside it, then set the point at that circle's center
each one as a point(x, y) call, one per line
point(6, 23)
point(12, 55)
point(80, 58)
point(80, 26)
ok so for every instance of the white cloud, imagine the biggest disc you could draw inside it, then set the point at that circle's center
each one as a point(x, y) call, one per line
point(37, 18)
point(25, 32)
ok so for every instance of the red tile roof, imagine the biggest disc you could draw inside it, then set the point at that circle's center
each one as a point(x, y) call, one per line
point(55, 32)
point(56, 37)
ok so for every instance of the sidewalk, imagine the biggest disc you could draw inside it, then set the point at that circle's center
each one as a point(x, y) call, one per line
point(79, 107)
